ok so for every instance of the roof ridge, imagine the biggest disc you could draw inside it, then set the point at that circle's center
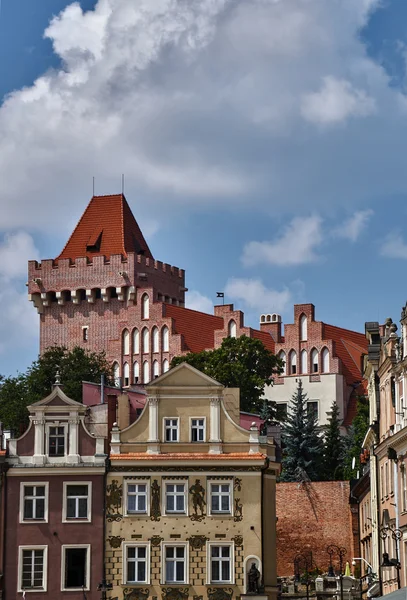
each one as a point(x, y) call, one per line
point(192, 310)
point(122, 197)
point(351, 331)
point(76, 226)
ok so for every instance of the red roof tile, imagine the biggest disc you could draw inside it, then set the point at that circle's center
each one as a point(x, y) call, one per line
point(266, 338)
point(106, 227)
point(197, 328)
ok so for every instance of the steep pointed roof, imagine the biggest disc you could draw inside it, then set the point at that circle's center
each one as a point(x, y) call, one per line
point(106, 227)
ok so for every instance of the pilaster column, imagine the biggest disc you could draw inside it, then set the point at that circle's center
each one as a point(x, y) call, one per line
point(214, 439)
point(153, 446)
point(39, 440)
point(73, 455)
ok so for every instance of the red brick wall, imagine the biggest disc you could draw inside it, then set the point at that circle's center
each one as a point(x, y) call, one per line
point(310, 518)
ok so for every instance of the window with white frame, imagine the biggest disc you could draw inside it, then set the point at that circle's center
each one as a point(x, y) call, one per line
point(137, 497)
point(165, 338)
point(221, 563)
point(32, 568)
point(136, 563)
point(56, 440)
point(175, 501)
point(220, 497)
point(77, 501)
point(34, 502)
point(75, 567)
point(198, 430)
point(171, 430)
point(155, 339)
point(175, 568)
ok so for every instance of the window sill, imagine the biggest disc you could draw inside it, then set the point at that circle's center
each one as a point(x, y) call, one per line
point(137, 514)
point(31, 590)
point(33, 521)
point(219, 514)
point(76, 589)
point(77, 521)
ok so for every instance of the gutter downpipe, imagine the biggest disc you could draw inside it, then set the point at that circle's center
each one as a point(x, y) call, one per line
point(378, 521)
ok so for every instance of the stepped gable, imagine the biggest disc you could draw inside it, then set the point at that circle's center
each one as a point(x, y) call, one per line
point(106, 227)
point(197, 328)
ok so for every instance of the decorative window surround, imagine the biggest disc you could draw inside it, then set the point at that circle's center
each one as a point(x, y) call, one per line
point(164, 546)
point(220, 559)
point(65, 517)
point(44, 550)
point(34, 484)
point(215, 489)
point(126, 546)
point(176, 484)
point(128, 493)
point(64, 548)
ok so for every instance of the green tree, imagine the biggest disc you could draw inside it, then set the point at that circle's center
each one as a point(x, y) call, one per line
point(333, 447)
point(74, 366)
point(355, 437)
point(268, 412)
point(302, 443)
point(241, 362)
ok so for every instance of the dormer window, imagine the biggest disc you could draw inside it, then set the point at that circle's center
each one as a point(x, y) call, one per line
point(56, 441)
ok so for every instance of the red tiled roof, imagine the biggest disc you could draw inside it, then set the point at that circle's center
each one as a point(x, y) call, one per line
point(197, 328)
point(266, 338)
point(188, 456)
point(349, 347)
point(106, 227)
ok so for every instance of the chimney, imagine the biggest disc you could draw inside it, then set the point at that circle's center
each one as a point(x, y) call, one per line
point(272, 324)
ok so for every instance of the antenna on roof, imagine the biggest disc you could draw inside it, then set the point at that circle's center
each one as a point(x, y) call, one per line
point(123, 184)
point(93, 187)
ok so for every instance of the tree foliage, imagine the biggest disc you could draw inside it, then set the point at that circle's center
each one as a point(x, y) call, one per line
point(74, 366)
point(332, 468)
point(356, 435)
point(241, 362)
point(302, 443)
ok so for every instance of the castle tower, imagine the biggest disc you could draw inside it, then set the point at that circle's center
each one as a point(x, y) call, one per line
point(105, 288)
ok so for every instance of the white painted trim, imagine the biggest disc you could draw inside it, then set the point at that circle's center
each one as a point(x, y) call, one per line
point(36, 471)
point(126, 545)
point(63, 552)
point(64, 502)
point(20, 569)
point(190, 430)
point(164, 441)
point(135, 481)
point(48, 425)
point(209, 482)
point(208, 562)
point(164, 483)
point(186, 562)
point(23, 484)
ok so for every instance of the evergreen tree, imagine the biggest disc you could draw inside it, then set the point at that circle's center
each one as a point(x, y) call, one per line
point(303, 447)
point(268, 413)
point(333, 447)
point(356, 435)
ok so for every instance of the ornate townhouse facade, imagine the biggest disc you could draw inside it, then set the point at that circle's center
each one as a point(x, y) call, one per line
point(191, 497)
point(55, 490)
point(105, 291)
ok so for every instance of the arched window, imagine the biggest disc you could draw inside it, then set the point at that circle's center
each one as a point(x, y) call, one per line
point(166, 338)
point(293, 362)
point(136, 372)
point(314, 361)
point(116, 373)
point(303, 328)
point(282, 356)
point(136, 341)
point(232, 328)
point(146, 372)
point(156, 340)
point(126, 375)
point(325, 360)
point(145, 307)
point(155, 369)
point(146, 340)
point(304, 361)
point(126, 342)
point(166, 365)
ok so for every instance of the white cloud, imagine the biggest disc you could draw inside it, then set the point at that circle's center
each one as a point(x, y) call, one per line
point(335, 102)
point(255, 295)
point(163, 91)
point(394, 247)
point(296, 245)
point(353, 227)
point(198, 301)
point(15, 250)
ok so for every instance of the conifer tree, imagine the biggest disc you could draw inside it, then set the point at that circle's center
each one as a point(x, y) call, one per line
point(303, 447)
point(333, 447)
point(268, 412)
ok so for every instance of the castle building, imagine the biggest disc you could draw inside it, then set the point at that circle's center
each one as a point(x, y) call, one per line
point(327, 359)
point(191, 497)
point(105, 291)
point(55, 504)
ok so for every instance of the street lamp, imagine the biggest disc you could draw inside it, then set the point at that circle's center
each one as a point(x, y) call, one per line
point(339, 551)
point(370, 575)
point(305, 562)
point(389, 563)
point(104, 587)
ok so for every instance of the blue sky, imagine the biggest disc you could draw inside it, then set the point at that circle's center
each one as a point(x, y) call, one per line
point(263, 144)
